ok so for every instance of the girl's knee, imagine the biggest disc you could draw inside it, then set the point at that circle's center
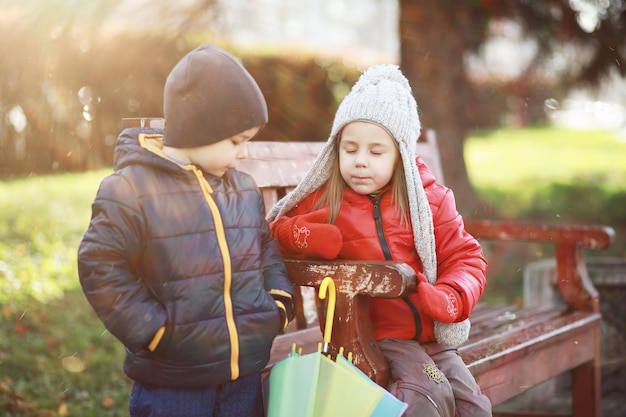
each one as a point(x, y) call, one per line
point(428, 393)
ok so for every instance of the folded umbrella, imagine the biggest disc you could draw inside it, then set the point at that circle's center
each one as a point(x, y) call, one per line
point(314, 385)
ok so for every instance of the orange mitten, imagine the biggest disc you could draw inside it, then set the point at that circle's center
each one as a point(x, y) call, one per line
point(308, 236)
point(440, 301)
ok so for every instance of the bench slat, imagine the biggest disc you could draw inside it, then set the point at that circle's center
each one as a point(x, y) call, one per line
point(504, 320)
point(507, 369)
point(279, 164)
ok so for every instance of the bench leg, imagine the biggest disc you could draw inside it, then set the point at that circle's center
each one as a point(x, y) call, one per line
point(587, 385)
point(586, 390)
point(299, 310)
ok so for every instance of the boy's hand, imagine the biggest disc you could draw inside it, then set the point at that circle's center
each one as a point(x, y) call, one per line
point(308, 236)
point(440, 301)
point(284, 302)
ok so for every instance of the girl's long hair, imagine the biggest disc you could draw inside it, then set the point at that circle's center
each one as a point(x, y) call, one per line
point(332, 190)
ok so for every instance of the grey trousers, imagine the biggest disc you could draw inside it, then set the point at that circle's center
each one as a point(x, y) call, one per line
point(433, 380)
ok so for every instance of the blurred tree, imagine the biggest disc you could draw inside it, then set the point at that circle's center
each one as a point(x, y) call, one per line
point(437, 36)
point(68, 74)
point(70, 71)
point(33, 90)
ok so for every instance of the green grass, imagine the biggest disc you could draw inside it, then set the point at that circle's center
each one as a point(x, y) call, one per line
point(535, 172)
point(519, 160)
point(555, 175)
point(43, 219)
point(57, 359)
point(55, 356)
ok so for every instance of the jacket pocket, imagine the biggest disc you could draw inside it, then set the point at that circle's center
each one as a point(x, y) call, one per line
point(161, 348)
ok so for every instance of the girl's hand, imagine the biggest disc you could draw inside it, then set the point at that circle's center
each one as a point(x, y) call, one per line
point(308, 235)
point(440, 301)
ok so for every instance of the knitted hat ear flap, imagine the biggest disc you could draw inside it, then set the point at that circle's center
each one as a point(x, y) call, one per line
point(421, 216)
point(450, 334)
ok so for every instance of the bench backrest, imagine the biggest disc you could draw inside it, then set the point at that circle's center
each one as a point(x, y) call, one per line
point(278, 167)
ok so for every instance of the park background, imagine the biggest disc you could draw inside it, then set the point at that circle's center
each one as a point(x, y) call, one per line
point(527, 102)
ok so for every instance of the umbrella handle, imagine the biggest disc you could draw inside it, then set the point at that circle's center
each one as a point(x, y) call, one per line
point(328, 287)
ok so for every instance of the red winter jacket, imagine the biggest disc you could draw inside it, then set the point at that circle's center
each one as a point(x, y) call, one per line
point(460, 263)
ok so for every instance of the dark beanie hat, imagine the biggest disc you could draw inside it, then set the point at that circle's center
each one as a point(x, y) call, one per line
point(209, 96)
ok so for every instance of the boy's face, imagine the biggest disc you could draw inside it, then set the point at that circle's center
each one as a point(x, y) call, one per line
point(221, 156)
point(367, 157)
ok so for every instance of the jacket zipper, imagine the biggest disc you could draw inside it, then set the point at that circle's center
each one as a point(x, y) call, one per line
point(378, 220)
point(223, 245)
point(224, 251)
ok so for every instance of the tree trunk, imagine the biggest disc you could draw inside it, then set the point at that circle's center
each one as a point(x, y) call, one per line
point(432, 48)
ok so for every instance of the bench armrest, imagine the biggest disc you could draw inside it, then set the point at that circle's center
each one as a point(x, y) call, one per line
point(356, 282)
point(569, 242)
point(591, 237)
point(383, 279)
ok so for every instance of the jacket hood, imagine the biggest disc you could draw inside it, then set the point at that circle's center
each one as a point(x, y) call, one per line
point(128, 151)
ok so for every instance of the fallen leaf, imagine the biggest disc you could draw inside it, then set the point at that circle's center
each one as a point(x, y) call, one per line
point(62, 410)
point(20, 328)
point(51, 342)
point(108, 402)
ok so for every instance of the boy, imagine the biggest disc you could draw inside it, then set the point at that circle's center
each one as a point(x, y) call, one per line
point(178, 261)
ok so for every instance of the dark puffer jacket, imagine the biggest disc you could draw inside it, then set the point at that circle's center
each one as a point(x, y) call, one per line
point(170, 246)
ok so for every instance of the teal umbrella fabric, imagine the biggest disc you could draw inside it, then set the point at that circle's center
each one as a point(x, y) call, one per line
point(388, 405)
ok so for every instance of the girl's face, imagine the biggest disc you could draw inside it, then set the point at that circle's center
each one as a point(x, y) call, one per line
point(367, 157)
point(221, 156)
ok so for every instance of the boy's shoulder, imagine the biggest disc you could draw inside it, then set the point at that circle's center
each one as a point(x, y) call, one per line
point(133, 179)
point(117, 186)
point(240, 180)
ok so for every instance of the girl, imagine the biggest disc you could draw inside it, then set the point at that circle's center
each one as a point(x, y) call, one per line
point(368, 196)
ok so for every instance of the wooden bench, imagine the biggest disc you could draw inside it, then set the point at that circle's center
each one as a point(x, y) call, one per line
point(510, 348)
